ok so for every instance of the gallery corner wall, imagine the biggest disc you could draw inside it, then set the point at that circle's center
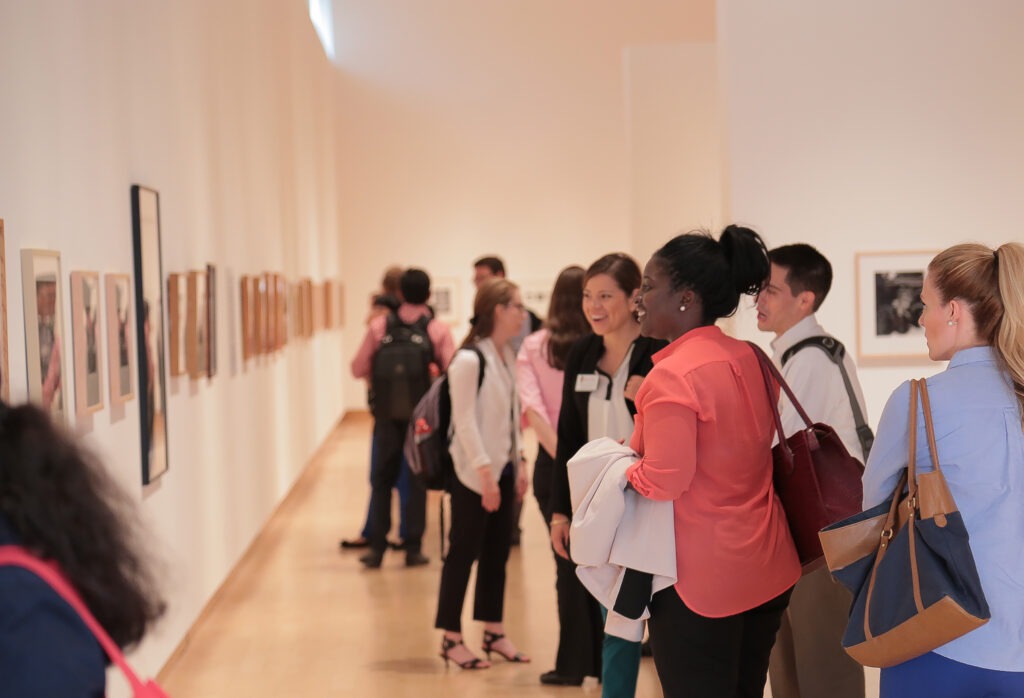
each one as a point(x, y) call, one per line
point(873, 128)
point(229, 110)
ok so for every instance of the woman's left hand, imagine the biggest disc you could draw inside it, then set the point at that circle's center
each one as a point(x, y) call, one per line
point(632, 386)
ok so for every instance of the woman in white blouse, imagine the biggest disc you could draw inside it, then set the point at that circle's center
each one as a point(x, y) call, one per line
point(489, 476)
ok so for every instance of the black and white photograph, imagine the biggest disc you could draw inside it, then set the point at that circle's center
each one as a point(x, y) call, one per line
point(889, 307)
point(85, 324)
point(44, 330)
point(119, 334)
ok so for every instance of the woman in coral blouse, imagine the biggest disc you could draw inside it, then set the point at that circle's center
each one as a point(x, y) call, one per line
point(704, 433)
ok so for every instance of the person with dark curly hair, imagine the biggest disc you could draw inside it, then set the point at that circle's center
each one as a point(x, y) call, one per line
point(57, 501)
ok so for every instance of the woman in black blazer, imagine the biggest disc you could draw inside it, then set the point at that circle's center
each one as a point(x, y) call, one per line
point(602, 374)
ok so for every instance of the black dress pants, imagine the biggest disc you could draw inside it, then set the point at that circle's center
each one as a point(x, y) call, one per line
point(388, 439)
point(580, 628)
point(700, 657)
point(476, 535)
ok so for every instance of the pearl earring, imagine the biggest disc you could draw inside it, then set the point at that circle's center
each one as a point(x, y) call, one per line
point(951, 323)
point(682, 308)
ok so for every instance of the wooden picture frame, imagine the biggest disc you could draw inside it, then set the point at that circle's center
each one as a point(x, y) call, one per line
point(5, 357)
point(177, 319)
point(120, 329)
point(86, 341)
point(889, 307)
point(42, 291)
point(247, 302)
point(149, 328)
point(196, 330)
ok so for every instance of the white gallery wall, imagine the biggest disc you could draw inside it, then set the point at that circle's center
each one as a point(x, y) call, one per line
point(873, 127)
point(534, 130)
point(228, 109)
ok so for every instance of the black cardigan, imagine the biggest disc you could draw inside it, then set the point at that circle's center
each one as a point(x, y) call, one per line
point(572, 419)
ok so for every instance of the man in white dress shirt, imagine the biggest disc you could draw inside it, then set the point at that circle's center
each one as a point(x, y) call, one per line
point(808, 660)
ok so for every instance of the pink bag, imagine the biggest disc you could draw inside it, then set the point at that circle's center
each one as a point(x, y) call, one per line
point(49, 572)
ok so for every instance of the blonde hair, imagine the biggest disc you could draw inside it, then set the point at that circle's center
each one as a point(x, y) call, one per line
point(991, 283)
point(490, 295)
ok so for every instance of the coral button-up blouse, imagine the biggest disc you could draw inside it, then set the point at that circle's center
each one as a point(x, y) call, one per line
point(704, 432)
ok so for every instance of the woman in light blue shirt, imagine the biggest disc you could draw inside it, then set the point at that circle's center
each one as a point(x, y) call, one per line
point(973, 318)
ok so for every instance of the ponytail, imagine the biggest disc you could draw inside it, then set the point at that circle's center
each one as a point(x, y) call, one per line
point(1009, 344)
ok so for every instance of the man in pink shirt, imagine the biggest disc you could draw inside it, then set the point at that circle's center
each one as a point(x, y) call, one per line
point(417, 348)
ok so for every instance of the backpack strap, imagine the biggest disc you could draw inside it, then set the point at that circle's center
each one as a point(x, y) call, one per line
point(49, 572)
point(835, 351)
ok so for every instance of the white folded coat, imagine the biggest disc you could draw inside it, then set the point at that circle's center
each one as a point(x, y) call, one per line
point(615, 529)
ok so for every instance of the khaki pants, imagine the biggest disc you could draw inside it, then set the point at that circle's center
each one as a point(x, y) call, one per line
point(808, 660)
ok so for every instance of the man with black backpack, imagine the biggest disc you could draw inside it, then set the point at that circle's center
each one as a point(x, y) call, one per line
point(400, 355)
point(808, 660)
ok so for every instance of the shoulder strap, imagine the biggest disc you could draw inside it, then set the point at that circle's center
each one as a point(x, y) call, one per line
point(835, 351)
point(18, 556)
point(483, 365)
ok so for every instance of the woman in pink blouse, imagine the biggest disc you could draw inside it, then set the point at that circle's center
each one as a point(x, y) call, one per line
point(704, 432)
point(540, 367)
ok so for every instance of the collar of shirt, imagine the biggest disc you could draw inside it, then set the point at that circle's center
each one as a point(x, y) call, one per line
point(973, 355)
point(808, 327)
point(411, 312)
point(709, 331)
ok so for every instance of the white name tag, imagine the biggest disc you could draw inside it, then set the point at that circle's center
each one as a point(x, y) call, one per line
point(586, 383)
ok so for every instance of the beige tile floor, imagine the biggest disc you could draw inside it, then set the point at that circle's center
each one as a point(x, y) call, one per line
point(298, 617)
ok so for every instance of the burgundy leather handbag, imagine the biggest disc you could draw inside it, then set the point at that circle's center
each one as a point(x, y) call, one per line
point(815, 477)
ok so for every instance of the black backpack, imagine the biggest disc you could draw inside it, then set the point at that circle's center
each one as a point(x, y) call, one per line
point(401, 368)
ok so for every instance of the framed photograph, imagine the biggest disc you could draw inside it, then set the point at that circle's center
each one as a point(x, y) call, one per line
point(85, 335)
point(196, 331)
point(177, 321)
point(119, 333)
point(282, 310)
point(248, 309)
point(149, 328)
point(341, 304)
point(211, 320)
point(270, 312)
point(537, 295)
point(5, 359)
point(444, 299)
point(44, 330)
point(889, 307)
point(330, 312)
point(308, 314)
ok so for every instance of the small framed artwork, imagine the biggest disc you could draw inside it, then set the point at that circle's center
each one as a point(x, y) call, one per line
point(444, 299)
point(177, 319)
point(248, 301)
point(5, 359)
point(308, 313)
point(119, 332)
point(85, 335)
point(329, 304)
point(270, 311)
point(282, 310)
point(149, 331)
point(260, 288)
point(341, 304)
point(889, 307)
point(211, 320)
point(44, 330)
point(537, 295)
point(196, 331)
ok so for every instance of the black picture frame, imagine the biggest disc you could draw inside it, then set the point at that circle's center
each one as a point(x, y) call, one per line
point(149, 330)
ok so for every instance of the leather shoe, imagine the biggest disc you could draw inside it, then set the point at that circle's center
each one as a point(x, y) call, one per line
point(414, 558)
point(553, 678)
point(354, 543)
point(372, 559)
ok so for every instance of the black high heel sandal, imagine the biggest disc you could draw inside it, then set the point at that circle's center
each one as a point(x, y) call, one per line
point(489, 640)
point(474, 663)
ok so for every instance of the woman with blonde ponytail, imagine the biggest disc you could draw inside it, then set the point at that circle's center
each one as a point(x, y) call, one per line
point(974, 319)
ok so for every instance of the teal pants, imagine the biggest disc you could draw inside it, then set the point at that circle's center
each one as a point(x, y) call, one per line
point(620, 665)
